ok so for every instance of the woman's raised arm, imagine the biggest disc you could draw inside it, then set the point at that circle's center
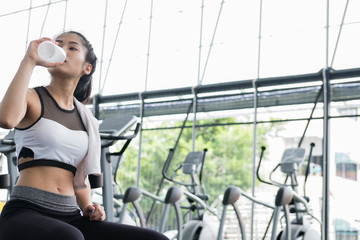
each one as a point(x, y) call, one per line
point(15, 102)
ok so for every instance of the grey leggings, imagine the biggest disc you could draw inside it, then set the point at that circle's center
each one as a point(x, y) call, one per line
point(21, 220)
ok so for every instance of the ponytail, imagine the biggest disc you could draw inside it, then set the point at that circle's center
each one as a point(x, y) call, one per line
point(83, 89)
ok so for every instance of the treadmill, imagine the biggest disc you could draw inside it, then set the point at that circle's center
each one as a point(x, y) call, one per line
point(111, 130)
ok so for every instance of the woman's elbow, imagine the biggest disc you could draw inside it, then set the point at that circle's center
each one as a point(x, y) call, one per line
point(7, 123)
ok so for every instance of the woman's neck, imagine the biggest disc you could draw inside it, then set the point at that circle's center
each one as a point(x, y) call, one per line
point(62, 93)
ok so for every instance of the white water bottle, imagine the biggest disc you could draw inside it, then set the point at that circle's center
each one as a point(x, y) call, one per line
point(50, 52)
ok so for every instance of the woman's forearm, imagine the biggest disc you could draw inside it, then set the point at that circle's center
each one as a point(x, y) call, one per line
point(83, 197)
point(13, 105)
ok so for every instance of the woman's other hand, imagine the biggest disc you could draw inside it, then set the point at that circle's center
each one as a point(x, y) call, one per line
point(95, 212)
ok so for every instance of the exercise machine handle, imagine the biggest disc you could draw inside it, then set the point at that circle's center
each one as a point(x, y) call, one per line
point(106, 136)
point(166, 168)
point(263, 148)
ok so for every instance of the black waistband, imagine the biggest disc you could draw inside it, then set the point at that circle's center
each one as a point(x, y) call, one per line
point(47, 162)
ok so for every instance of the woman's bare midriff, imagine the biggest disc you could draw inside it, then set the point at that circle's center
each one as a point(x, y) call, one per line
point(51, 179)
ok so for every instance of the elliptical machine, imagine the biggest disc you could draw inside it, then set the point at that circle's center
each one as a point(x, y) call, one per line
point(199, 225)
point(201, 222)
point(7, 148)
point(300, 227)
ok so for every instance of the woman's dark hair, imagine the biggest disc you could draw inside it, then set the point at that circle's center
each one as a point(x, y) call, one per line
point(83, 89)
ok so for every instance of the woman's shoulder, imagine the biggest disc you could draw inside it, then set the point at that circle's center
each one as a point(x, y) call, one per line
point(31, 92)
point(33, 96)
point(34, 90)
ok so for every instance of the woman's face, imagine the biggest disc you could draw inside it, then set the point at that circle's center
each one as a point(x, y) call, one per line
point(74, 65)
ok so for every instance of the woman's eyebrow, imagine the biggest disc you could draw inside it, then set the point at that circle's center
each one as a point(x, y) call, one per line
point(70, 42)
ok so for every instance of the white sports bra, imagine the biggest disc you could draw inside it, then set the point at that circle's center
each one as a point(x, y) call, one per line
point(58, 138)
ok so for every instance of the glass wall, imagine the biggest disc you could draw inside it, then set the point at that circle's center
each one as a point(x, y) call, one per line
point(228, 138)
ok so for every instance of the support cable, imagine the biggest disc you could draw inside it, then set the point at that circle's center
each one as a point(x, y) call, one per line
point(28, 26)
point(212, 41)
point(311, 115)
point(148, 50)
point(65, 15)
point(255, 123)
point(200, 44)
point(114, 46)
point(339, 34)
point(327, 35)
point(194, 130)
point(46, 14)
point(102, 46)
point(27, 9)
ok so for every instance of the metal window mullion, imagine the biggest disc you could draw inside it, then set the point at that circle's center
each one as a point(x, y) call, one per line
point(326, 88)
point(254, 158)
point(326, 163)
point(142, 109)
point(194, 133)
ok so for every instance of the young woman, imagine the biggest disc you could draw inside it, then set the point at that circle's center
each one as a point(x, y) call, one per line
point(58, 145)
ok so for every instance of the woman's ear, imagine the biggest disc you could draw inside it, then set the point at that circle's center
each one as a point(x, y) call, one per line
point(87, 68)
